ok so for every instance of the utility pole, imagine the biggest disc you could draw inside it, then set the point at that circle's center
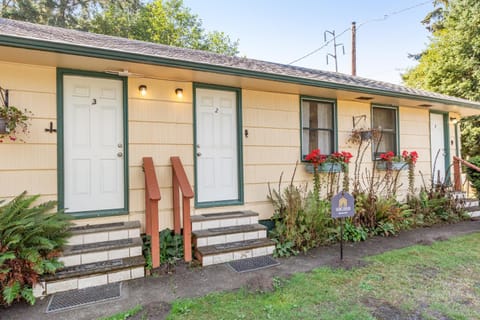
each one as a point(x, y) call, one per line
point(335, 45)
point(354, 48)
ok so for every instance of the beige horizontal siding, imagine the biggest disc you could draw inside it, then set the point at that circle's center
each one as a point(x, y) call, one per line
point(161, 125)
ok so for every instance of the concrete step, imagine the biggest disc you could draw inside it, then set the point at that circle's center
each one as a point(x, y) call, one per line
point(221, 235)
point(101, 251)
point(469, 203)
point(214, 254)
point(224, 219)
point(458, 195)
point(91, 274)
point(104, 232)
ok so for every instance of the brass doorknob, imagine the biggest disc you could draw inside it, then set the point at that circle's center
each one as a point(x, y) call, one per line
point(120, 154)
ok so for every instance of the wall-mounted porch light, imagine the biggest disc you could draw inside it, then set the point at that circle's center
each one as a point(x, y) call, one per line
point(179, 93)
point(453, 120)
point(143, 90)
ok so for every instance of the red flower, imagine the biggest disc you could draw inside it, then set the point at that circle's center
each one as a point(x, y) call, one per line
point(410, 157)
point(346, 156)
point(387, 156)
point(315, 157)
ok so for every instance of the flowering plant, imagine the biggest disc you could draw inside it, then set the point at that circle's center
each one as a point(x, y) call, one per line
point(14, 121)
point(316, 158)
point(410, 157)
point(341, 157)
point(387, 156)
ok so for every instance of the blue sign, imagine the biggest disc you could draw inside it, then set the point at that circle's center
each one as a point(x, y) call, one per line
point(343, 205)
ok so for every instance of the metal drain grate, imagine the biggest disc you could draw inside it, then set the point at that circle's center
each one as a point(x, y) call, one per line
point(252, 264)
point(77, 298)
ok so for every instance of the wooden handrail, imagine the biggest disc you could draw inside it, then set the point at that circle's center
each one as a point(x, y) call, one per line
point(179, 171)
point(152, 196)
point(180, 183)
point(456, 171)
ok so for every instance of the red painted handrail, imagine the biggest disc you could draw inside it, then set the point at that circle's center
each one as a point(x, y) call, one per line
point(180, 183)
point(152, 196)
point(456, 171)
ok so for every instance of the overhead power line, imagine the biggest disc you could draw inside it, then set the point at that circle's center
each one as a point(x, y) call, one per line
point(385, 17)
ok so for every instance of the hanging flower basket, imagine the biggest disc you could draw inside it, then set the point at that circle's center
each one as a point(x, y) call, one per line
point(13, 121)
point(393, 165)
point(324, 167)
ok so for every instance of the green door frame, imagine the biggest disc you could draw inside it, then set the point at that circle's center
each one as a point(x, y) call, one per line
point(60, 144)
point(446, 144)
point(238, 92)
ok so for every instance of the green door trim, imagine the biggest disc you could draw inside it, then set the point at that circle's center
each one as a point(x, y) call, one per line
point(397, 126)
point(240, 200)
point(60, 144)
point(446, 144)
point(334, 121)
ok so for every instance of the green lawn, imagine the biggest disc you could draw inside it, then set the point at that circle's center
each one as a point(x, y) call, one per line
point(432, 282)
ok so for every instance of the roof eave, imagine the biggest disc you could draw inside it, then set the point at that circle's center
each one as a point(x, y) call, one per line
point(94, 52)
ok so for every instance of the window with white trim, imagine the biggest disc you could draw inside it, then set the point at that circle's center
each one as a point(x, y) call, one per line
point(317, 126)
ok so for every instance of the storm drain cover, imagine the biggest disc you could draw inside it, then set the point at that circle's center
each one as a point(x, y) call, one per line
point(252, 264)
point(78, 298)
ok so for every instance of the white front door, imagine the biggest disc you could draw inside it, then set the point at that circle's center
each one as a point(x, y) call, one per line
point(437, 147)
point(217, 145)
point(93, 144)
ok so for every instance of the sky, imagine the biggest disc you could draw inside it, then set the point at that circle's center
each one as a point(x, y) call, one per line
point(285, 30)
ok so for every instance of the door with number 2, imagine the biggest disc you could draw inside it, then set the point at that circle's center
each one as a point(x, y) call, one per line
point(217, 146)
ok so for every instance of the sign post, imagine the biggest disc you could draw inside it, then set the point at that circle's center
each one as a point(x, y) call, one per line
point(343, 206)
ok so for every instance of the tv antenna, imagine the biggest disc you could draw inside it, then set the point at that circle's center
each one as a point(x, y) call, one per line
point(335, 45)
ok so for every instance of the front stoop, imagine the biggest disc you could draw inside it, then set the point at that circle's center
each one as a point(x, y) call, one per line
point(97, 255)
point(228, 236)
point(472, 206)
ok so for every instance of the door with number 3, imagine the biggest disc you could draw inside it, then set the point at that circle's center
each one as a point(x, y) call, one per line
point(93, 144)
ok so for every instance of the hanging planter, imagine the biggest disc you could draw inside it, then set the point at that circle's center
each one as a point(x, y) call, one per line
point(392, 165)
point(12, 119)
point(324, 167)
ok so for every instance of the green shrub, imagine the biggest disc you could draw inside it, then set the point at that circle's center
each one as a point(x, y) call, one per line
point(473, 175)
point(354, 233)
point(434, 206)
point(31, 238)
point(171, 248)
point(301, 219)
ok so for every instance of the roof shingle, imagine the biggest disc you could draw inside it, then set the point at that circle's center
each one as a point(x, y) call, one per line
point(79, 39)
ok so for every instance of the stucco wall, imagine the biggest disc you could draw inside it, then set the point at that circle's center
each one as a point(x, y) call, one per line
point(161, 125)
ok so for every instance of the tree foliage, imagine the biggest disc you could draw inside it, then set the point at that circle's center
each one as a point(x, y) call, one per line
point(451, 62)
point(161, 21)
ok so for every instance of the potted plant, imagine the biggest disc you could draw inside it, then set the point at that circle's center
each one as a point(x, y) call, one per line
point(13, 121)
point(388, 161)
point(363, 135)
point(335, 162)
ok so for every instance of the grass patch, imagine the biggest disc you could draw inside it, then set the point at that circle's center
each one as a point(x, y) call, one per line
point(428, 282)
point(124, 315)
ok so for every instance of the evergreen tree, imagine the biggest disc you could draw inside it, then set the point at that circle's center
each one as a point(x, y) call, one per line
point(451, 62)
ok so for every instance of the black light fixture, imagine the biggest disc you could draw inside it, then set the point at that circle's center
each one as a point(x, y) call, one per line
point(143, 90)
point(453, 120)
point(179, 93)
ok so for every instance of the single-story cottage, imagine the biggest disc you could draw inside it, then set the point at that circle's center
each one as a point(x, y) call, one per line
point(101, 104)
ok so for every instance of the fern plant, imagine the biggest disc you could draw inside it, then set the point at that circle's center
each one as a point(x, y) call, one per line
point(31, 238)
